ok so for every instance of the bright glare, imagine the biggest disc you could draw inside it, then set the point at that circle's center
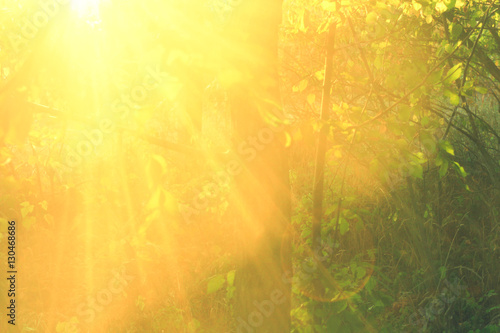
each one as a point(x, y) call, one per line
point(118, 235)
point(86, 8)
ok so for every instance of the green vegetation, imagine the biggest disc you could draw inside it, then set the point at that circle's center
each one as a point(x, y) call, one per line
point(252, 166)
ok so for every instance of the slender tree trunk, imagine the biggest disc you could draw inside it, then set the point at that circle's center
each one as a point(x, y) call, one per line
point(319, 171)
point(262, 197)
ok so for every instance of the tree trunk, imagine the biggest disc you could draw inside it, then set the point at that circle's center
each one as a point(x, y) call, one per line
point(262, 192)
point(319, 171)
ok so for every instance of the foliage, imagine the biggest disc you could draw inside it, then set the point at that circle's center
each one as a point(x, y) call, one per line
point(103, 167)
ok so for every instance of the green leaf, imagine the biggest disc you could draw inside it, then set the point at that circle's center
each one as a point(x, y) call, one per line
point(454, 98)
point(453, 74)
point(442, 271)
point(439, 160)
point(417, 171)
point(455, 30)
point(443, 169)
point(496, 307)
point(435, 77)
point(343, 226)
point(330, 210)
point(481, 90)
point(340, 306)
point(404, 113)
point(425, 121)
point(461, 171)
point(428, 141)
point(230, 277)
point(360, 272)
point(26, 208)
point(441, 7)
point(372, 283)
point(215, 283)
point(450, 4)
point(447, 147)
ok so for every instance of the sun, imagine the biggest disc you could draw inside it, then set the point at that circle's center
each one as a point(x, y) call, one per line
point(86, 8)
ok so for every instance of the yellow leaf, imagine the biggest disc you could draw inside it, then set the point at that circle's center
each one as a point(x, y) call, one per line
point(49, 219)
point(169, 202)
point(288, 139)
point(43, 204)
point(329, 6)
point(320, 75)
point(156, 168)
point(154, 200)
point(303, 85)
point(26, 208)
point(302, 26)
point(441, 7)
point(311, 98)
point(371, 18)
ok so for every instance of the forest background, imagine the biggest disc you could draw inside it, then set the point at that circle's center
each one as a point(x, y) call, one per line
point(250, 166)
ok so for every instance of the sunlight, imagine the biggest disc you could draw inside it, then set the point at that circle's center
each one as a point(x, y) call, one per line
point(249, 165)
point(86, 8)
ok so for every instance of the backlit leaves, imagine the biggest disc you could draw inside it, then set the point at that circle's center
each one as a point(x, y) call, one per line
point(215, 283)
point(156, 169)
point(453, 74)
